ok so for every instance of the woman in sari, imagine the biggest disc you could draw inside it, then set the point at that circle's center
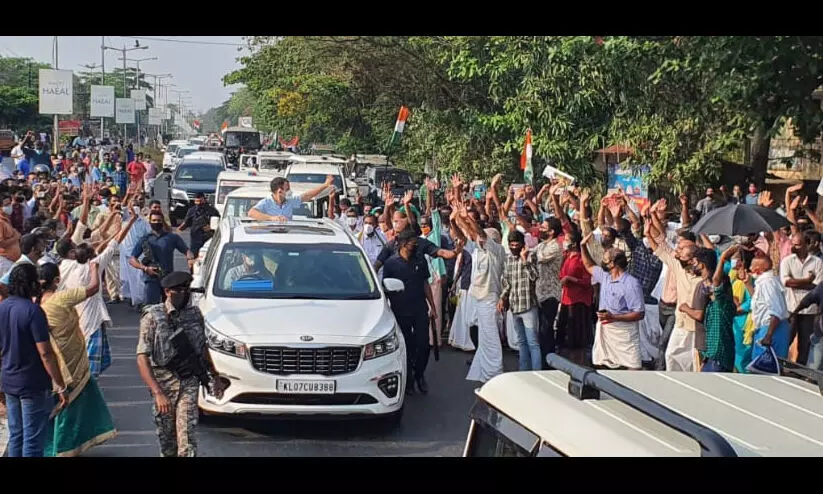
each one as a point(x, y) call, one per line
point(743, 325)
point(86, 421)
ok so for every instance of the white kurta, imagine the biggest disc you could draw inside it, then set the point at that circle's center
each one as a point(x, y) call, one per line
point(617, 345)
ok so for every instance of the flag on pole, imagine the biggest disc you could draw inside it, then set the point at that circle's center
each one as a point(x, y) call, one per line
point(196, 125)
point(399, 126)
point(526, 159)
point(224, 126)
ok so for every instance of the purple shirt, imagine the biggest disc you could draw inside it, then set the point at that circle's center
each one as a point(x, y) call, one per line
point(620, 296)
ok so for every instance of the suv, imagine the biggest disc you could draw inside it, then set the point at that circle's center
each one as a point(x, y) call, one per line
point(190, 177)
point(577, 411)
point(400, 180)
point(306, 330)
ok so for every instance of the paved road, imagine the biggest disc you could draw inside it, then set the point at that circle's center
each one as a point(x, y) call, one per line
point(433, 425)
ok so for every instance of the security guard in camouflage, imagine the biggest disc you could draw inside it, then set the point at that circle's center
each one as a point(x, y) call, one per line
point(175, 397)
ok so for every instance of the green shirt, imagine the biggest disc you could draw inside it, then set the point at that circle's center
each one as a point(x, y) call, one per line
point(718, 320)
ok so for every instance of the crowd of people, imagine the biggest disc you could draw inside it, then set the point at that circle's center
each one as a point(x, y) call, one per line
point(73, 228)
point(610, 284)
point(614, 284)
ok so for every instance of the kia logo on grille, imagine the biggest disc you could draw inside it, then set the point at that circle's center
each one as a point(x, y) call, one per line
point(306, 338)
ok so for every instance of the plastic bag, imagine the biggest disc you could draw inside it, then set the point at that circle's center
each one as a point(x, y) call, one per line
point(765, 363)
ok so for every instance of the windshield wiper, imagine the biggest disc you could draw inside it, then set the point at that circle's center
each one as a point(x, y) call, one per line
point(361, 296)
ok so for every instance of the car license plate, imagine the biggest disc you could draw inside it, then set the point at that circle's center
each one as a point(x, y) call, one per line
point(306, 387)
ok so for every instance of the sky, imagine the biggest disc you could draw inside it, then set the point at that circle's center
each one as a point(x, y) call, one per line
point(198, 63)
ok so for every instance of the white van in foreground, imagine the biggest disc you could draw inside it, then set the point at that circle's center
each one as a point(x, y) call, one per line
point(298, 323)
point(575, 411)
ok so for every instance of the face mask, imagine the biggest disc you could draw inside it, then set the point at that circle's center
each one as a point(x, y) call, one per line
point(734, 263)
point(158, 227)
point(119, 168)
point(368, 229)
point(605, 266)
point(7, 209)
point(520, 229)
point(179, 300)
point(567, 246)
point(797, 250)
point(289, 195)
point(80, 169)
point(516, 252)
point(351, 221)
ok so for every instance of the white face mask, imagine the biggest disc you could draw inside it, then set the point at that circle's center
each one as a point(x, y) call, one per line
point(351, 221)
point(7, 209)
point(289, 194)
point(734, 263)
point(566, 245)
point(368, 229)
point(520, 229)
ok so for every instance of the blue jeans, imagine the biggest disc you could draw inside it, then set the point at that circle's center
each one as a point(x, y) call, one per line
point(713, 366)
point(527, 327)
point(27, 421)
point(816, 352)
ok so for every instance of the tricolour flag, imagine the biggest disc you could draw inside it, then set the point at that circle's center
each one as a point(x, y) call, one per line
point(224, 126)
point(196, 124)
point(526, 159)
point(399, 126)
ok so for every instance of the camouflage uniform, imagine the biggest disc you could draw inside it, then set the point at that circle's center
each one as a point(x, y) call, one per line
point(176, 430)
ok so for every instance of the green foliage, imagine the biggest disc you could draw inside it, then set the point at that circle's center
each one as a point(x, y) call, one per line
point(19, 106)
point(684, 104)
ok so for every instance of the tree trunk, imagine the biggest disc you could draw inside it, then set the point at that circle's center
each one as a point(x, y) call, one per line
point(760, 145)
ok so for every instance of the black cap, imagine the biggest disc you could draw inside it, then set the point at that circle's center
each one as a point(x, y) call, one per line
point(175, 279)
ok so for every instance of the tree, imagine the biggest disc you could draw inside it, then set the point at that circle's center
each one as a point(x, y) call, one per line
point(19, 104)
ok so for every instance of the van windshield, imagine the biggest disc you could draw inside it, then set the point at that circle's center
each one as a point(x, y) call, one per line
point(226, 187)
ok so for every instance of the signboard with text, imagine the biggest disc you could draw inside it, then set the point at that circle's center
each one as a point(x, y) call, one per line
point(124, 111)
point(139, 97)
point(155, 116)
point(56, 92)
point(102, 101)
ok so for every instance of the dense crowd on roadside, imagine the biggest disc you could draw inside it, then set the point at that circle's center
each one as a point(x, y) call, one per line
point(75, 225)
point(613, 284)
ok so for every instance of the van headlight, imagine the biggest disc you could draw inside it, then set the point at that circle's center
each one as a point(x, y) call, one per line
point(384, 346)
point(225, 345)
point(180, 195)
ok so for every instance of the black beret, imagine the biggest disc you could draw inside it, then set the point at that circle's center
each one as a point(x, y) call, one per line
point(175, 279)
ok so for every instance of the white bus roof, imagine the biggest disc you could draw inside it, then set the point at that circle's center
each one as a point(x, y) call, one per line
point(757, 415)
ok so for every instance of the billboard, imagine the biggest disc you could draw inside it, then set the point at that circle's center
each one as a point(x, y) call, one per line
point(139, 97)
point(125, 111)
point(56, 90)
point(630, 179)
point(155, 116)
point(102, 101)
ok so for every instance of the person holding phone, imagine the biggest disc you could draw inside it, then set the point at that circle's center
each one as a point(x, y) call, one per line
point(621, 308)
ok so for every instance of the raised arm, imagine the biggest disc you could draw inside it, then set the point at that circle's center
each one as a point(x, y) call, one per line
point(588, 262)
point(309, 195)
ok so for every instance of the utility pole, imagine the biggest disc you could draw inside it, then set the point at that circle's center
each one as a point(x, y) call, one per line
point(137, 86)
point(102, 76)
point(56, 123)
point(124, 50)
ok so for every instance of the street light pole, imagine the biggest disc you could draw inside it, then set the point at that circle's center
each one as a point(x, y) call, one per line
point(102, 77)
point(56, 123)
point(124, 50)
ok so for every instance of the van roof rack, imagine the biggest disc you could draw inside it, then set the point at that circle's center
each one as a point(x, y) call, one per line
point(587, 384)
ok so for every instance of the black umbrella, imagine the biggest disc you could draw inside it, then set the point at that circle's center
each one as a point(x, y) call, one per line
point(740, 219)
